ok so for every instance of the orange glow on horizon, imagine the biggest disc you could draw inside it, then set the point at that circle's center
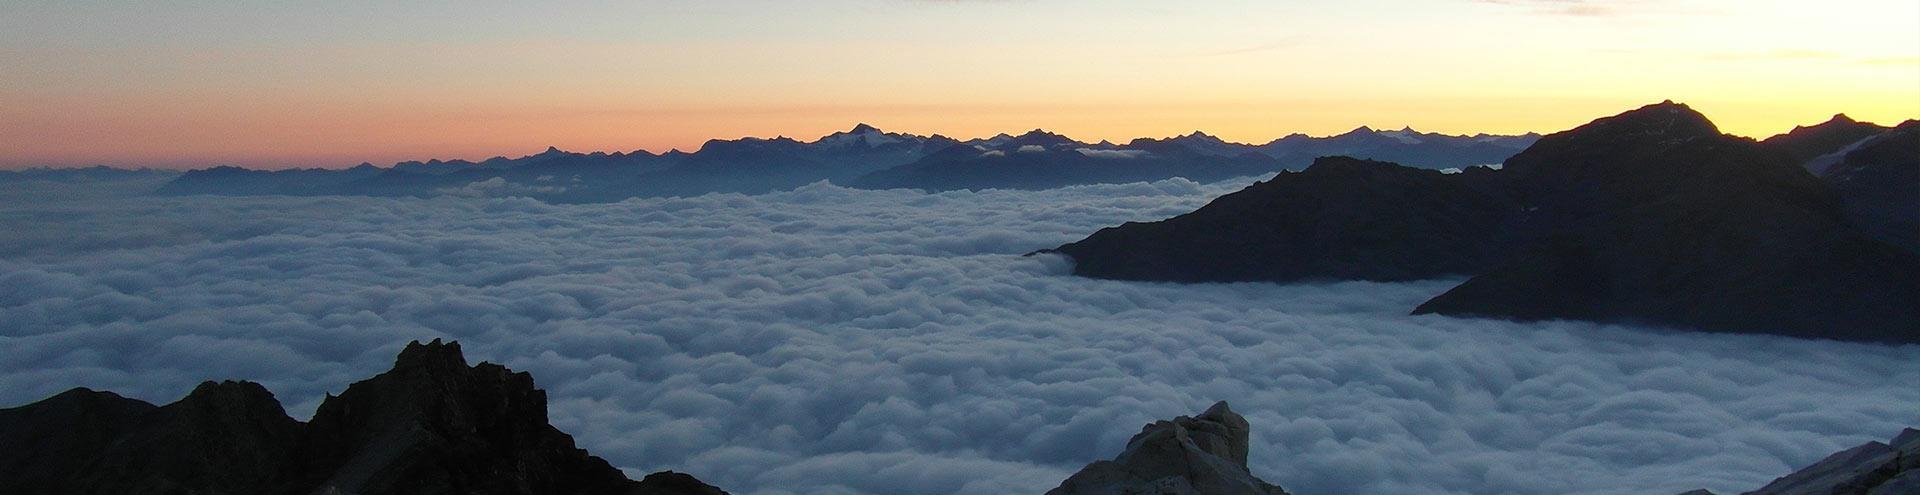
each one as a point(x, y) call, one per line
point(201, 85)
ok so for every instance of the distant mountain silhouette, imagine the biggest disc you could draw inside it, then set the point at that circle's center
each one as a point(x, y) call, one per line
point(430, 425)
point(1804, 143)
point(863, 156)
point(747, 165)
point(1039, 160)
point(93, 173)
point(1649, 216)
point(1405, 146)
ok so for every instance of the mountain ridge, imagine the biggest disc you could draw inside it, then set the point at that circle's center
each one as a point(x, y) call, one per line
point(1651, 216)
point(863, 156)
point(430, 425)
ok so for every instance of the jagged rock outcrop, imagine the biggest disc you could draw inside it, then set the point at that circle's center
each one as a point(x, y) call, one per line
point(431, 425)
point(1200, 455)
point(1873, 468)
point(1650, 216)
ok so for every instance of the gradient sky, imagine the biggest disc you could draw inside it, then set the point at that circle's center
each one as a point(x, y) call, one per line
point(283, 84)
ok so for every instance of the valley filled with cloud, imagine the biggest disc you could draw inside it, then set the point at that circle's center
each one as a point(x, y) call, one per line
point(838, 340)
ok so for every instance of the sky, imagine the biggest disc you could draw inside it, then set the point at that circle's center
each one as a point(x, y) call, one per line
point(187, 84)
point(834, 340)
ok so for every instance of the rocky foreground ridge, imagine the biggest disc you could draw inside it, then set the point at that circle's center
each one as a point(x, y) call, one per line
point(430, 425)
point(1873, 468)
point(433, 425)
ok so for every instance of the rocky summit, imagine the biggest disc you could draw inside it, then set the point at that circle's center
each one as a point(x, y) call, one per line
point(430, 425)
point(1200, 455)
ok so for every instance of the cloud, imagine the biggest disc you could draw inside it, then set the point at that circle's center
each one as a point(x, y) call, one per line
point(1772, 55)
point(1573, 8)
point(836, 340)
point(1030, 148)
point(500, 187)
point(1112, 154)
point(1288, 42)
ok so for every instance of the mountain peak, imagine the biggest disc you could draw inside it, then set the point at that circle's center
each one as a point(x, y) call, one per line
point(1841, 118)
point(1666, 119)
point(1201, 137)
point(430, 355)
point(863, 128)
point(230, 391)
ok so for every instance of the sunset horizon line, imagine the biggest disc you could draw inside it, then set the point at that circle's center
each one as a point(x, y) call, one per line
point(429, 157)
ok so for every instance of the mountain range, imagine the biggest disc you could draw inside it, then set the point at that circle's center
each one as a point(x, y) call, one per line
point(1650, 216)
point(863, 156)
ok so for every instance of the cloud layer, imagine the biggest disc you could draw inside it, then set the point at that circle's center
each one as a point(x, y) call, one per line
point(837, 340)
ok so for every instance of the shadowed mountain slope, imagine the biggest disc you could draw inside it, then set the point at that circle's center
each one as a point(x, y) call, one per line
point(1878, 181)
point(1650, 216)
point(1805, 143)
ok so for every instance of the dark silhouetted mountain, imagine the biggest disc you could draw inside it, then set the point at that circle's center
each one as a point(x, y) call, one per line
point(1871, 469)
point(49, 442)
point(431, 425)
point(861, 155)
point(1654, 216)
point(672, 483)
point(1804, 143)
point(1199, 142)
point(236, 181)
point(1342, 218)
point(1650, 216)
point(1040, 160)
point(1406, 146)
point(95, 173)
point(747, 165)
point(1205, 454)
point(1036, 137)
point(1878, 180)
point(227, 437)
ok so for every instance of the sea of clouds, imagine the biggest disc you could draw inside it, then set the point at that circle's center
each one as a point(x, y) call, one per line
point(830, 340)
